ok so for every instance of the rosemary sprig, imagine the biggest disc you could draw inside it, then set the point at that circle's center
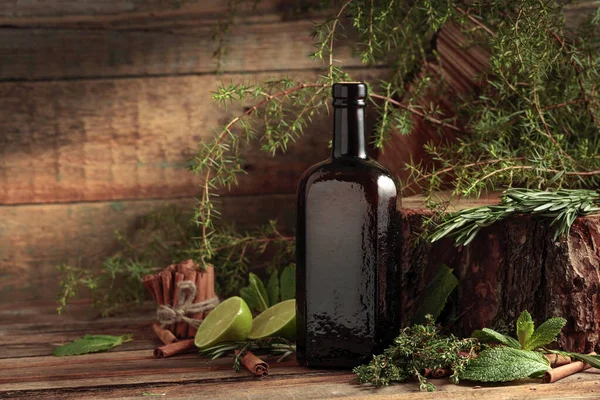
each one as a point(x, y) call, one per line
point(274, 346)
point(562, 206)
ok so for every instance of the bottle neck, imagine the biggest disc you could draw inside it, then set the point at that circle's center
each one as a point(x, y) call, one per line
point(349, 131)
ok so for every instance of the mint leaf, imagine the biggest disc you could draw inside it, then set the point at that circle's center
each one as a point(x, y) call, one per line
point(504, 364)
point(525, 328)
point(273, 288)
point(437, 292)
point(260, 292)
point(487, 335)
point(545, 333)
point(91, 344)
point(288, 283)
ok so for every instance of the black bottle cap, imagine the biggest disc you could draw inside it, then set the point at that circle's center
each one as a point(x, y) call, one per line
point(349, 93)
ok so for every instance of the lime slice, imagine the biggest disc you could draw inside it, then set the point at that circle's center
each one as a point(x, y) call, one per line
point(229, 321)
point(279, 320)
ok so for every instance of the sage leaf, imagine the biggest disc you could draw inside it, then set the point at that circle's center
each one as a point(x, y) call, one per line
point(273, 288)
point(593, 360)
point(525, 328)
point(487, 335)
point(260, 291)
point(91, 344)
point(505, 364)
point(545, 333)
point(248, 294)
point(288, 283)
point(437, 292)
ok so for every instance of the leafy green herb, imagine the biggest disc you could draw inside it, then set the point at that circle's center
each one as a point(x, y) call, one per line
point(277, 289)
point(529, 338)
point(562, 206)
point(504, 364)
point(437, 292)
point(273, 288)
point(593, 360)
point(91, 344)
point(288, 283)
point(416, 348)
point(545, 333)
point(487, 335)
point(525, 328)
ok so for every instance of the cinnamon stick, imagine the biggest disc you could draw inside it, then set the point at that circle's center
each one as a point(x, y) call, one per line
point(147, 281)
point(556, 374)
point(189, 274)
point(210, 293)
point(556, 360)
point(172, 349)
point(165, 335)
point(254, 364)
point(201, 285)
point(441, 373)
point(177, 277)
point(166, 278)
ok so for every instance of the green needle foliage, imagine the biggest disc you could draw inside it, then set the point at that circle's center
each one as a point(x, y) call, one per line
point(561, 206)
point(533, 123)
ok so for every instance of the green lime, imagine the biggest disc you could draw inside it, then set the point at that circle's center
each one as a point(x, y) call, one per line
point(229, 321)
point(279, 320)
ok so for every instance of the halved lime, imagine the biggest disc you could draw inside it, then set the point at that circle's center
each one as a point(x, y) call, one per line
point(229, 321)
point(279, 320)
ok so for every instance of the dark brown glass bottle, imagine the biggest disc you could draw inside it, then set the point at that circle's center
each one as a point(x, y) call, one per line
point(346, 271)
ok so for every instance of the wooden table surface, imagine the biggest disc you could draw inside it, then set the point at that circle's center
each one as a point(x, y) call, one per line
point(29, 371)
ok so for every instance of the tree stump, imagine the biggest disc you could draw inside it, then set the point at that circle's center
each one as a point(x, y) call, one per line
point(511, 266)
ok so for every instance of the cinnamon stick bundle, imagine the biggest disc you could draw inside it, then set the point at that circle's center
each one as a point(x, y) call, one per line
point(172, 349)
point(165, 287)
point(254, 364)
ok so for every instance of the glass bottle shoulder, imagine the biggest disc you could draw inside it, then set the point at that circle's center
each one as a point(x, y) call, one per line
point(349, 169)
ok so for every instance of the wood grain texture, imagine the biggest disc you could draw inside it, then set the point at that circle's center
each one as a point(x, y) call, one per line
point(59, 53)
point(119, 14)
point(34, 239)
point(127, 139)
point(129, 370)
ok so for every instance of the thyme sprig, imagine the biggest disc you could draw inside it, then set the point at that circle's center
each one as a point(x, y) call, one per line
point(561, 206)
point(417, 348)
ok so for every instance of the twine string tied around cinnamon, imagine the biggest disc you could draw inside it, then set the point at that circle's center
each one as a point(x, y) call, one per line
point(167, 315)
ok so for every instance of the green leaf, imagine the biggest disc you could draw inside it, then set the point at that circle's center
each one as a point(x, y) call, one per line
point(504, 364)
point(487, 335)
point(249, 295)
point(545, 333)
point(288, 283)
point(260, 291)
point(437, 292)
point(525, 328)
point(273, 288)
point(91, 344)
point(593, 360)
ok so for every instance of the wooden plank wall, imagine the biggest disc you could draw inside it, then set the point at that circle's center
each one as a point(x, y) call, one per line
point(102, 105)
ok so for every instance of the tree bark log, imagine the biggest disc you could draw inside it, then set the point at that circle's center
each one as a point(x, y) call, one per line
point(511, 266)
